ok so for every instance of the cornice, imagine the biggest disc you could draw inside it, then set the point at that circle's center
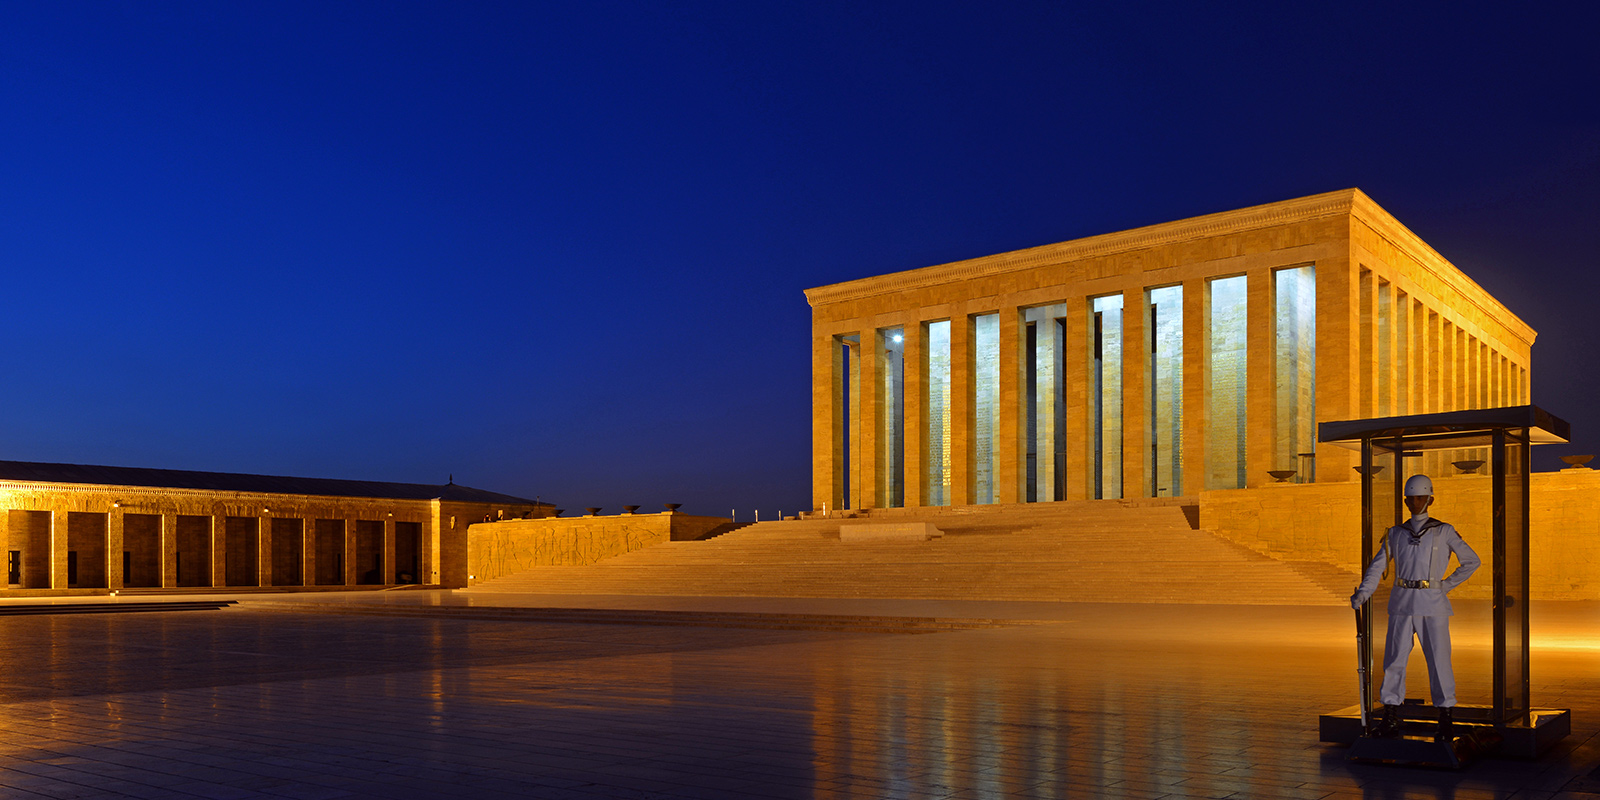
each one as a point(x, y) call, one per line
point(1150, 236)
point(1396, 233)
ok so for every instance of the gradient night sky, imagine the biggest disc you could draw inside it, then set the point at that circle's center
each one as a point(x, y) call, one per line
point(559, 249)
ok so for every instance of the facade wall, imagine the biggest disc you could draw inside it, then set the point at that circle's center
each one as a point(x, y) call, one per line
point(99, 538)
point(1396, 330)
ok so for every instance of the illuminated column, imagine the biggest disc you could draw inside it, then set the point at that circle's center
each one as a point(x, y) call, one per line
point(961, 408)
point(352, 569)
point(386, 571)
point(914, 425)
point(1338, 355)
point(1135, 411)
point(1075, 365)
point(169, 550)
point(1195, 313)
point(1367, 333)
point(864, 460)
point(1419, 358)
point(827, 423)
point(1385, 376)
point(1402, 352)
point(1009, 453)
point(1450, 367)
point(1435, 363)
point(58, 549)
point(114, 546)
point(1262, 395)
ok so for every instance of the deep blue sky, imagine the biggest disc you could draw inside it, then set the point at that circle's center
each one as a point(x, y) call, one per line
point(559, 249)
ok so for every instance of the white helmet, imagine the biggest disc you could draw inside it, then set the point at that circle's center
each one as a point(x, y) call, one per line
point(1419, 486)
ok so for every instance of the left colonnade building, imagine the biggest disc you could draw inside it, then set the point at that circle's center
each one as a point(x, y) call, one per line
point(1161, 361)
point(81, 529)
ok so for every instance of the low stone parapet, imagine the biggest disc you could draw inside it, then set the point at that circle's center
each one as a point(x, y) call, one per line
point(881, 531)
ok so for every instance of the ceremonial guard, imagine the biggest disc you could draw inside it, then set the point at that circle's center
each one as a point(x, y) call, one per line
point(1419, 604)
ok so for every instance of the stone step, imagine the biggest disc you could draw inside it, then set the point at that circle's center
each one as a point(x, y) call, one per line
point(33, 609)
point(1063, 552)
point(600, 616)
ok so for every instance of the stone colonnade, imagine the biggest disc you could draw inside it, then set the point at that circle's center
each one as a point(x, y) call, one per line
point(96, 537)
point(1168, 360)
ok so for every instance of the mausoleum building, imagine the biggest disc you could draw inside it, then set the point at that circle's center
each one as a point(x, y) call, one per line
point(1155, 362)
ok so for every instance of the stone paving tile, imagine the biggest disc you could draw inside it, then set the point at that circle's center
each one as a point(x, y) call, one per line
point(257, 704)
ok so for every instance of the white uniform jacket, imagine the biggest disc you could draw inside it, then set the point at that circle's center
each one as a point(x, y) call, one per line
point(1420, 557)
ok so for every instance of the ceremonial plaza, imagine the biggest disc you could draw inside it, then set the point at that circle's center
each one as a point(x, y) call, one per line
point(1074, 533)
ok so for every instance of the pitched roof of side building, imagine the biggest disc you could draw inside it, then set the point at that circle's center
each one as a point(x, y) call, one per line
point(37, 472)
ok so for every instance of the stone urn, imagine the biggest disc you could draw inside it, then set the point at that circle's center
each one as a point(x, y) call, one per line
point(672, 508)
point(1376, 468)
point(629, 509)
point(591, 512)
point(1281, 475)
point(1577, 462)
point(1469, 467)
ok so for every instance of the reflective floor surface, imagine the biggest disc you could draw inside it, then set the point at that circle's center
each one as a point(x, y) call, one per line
point(1101, 701)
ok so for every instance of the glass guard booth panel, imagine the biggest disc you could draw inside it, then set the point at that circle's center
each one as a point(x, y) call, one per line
point(1477, 477)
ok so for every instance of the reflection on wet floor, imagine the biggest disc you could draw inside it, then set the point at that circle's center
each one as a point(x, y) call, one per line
point(1121, 701)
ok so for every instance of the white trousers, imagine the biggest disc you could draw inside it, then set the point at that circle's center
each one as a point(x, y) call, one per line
point(1434, 632)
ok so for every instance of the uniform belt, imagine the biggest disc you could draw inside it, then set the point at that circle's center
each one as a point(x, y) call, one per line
point(1405, 584)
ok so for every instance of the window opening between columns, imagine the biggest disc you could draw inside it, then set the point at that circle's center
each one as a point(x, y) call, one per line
point(891, 418)
point(1295, 349)
point(1046, 410)
point(936, 459)
point(986, 403)
point(1164, 390)
point(1106, 397)
point(1225, 387)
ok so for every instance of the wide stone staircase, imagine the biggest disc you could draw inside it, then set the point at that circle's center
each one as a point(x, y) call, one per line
point(1103, 551)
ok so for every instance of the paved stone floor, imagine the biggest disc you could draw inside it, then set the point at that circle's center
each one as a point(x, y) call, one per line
point(1102, 701)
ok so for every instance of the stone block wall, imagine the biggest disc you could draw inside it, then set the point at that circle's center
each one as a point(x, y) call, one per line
point(502, 548)
point(1322, 522)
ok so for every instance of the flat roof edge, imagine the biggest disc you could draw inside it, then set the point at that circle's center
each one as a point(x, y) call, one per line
point(1221, 223)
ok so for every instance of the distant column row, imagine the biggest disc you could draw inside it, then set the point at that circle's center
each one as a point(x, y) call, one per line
point(116, 550)
point(1152, 391)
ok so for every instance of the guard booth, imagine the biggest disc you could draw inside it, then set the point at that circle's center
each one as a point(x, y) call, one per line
point(1479, 462)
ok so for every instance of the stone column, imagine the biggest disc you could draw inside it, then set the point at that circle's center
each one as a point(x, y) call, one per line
point(872, 409)
point(853, 403)
point(386, 572)
point(1388, 361)
point(114, 545)
point(1368, 335)
point(351, 568)
point(1434, 361)
point(914, 435)
point(1196, 313)
point(1075, 369)
point(827, 424)
point(1136, 431)
point(169, 550)
point(962, 444)
point(263, 551)
point(308, 551)
point(1010, 467)
point(1339, 338)
point(58, 550)
point(1261, 401)
point(1419, 358)
point(219, 550)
